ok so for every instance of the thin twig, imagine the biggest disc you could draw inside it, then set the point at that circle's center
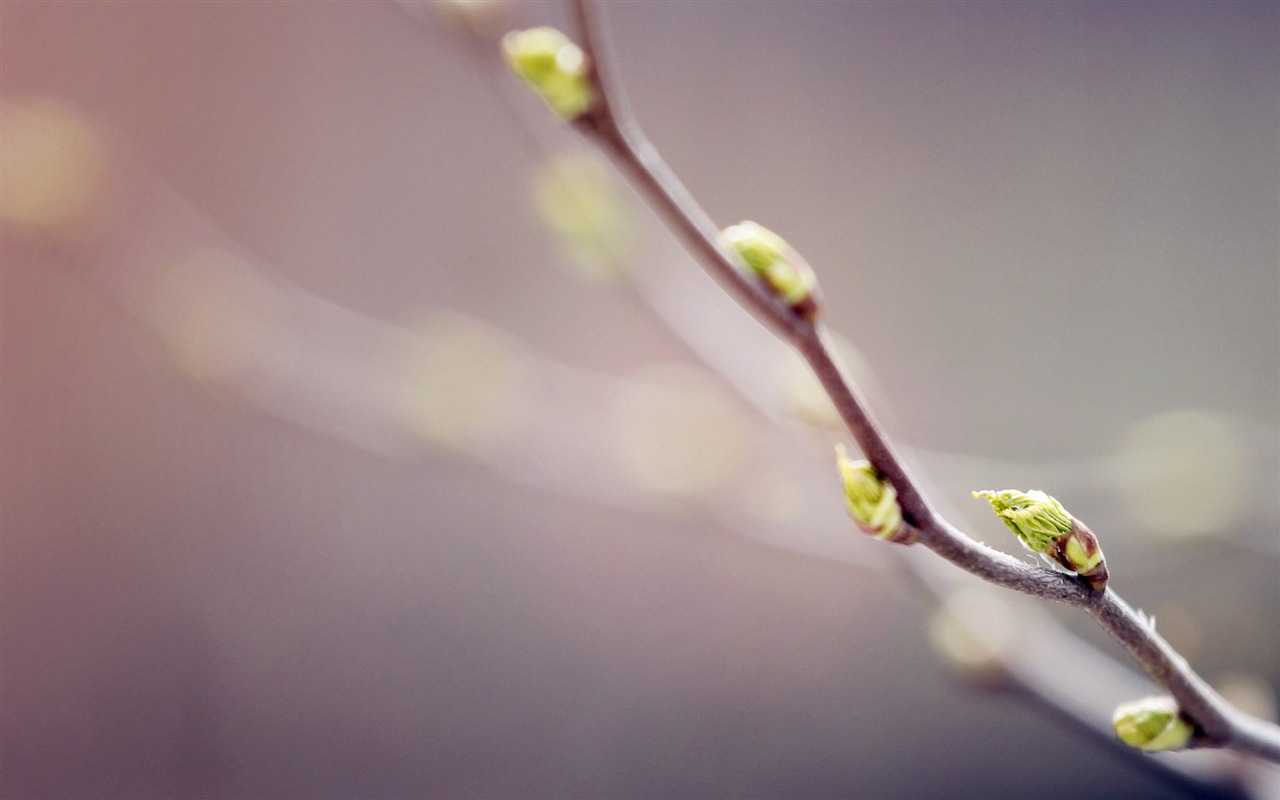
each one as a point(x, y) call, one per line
point(1024, 680)
point(613, 127)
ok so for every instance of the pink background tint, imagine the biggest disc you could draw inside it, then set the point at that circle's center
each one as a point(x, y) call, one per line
point(1040, 224)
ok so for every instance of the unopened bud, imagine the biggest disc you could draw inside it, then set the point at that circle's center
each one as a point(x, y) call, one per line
point(554, 66)
point(872, 501)
point(1044, 526)
point(1152, 724)
point(773, 261)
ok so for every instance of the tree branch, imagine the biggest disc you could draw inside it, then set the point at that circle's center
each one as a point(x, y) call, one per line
point(611, 125)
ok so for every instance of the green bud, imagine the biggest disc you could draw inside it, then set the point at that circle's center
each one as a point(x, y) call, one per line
point(1152, 724)
point(1034, 516)
point(772, 260)
point(1044, 526)
point(554, 66)
point(872, 501)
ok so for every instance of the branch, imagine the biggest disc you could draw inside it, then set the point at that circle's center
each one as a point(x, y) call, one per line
point(608, 122)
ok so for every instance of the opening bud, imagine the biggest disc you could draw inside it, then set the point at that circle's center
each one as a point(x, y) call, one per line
point(1044, 526)
point(1152, 724)
point(767, 255)
point(553, 66)
point(872, 501)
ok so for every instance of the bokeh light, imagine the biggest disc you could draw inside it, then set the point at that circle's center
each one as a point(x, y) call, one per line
point(974, 630)
point(51, 166)
point(461, 382)
point(1183, 473)
point(577, 198)
point(214, 315)
point(677, 431)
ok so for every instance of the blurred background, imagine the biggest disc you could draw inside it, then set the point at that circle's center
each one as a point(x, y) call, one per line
point(363, 438)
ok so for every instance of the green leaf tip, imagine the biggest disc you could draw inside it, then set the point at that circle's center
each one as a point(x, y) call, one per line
point(1152, 724)
point(1034, 516)
point(1044, 526)
point(553, 66)
point(768, 256)
point(871, 500)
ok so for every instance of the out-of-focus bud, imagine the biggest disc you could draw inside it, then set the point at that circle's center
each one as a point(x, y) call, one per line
point(1044, 526)
point(554, 66)
point(776, 263)
point(872, 501)
point(1152, 724)
point(978, 632)
point(577, 198)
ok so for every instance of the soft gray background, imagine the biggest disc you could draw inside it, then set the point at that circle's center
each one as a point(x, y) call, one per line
point(1039, 222)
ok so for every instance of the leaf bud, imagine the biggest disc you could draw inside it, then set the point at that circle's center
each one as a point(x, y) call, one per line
point(782, 270)
point(553, 66)
point(1152, 724)
point(872, 501)
point(1044, 526)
